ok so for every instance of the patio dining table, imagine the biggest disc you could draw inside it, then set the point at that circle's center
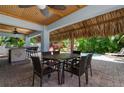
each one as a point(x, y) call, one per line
point(61, 58)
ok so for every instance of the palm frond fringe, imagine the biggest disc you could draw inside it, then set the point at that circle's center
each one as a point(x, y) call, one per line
point(108, 24)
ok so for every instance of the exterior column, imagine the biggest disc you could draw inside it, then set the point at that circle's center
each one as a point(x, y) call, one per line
point(27, 41)
point(45, 42)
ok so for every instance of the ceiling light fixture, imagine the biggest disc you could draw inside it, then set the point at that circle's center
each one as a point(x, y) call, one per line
point(42, 6)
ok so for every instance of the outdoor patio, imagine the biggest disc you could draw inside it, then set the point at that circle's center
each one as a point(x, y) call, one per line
point(105, 74)
point(55, 34)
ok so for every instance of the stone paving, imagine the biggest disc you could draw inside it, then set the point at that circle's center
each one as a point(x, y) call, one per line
point(105, 74)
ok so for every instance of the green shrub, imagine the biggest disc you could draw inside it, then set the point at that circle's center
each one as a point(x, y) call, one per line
point(101, 44)
point(12, 42)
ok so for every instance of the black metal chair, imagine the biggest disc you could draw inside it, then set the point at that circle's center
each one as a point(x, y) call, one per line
point(89, 62)
point(39, 69)
point(77, 59)
point(32, 48)
point(30, 53)
point(52, 63)
point(76, 52)
point(79, 69)
point(46, 53)
point(73, 61)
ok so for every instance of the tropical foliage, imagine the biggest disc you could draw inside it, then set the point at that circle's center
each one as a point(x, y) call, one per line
point(96, 44)
point(92, 44)
point(33, 41)
point(15, 42)
point(12, 42)
point(101, 44)
point(65, 45)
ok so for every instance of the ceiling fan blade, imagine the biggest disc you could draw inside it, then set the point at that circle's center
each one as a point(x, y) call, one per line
point(25, 6)
point(45, 12)
point(58, 7)
point(15, 31)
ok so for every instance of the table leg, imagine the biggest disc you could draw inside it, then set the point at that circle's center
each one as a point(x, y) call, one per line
point(61, 75)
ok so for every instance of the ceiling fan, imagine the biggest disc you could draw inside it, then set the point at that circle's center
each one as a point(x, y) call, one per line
point(15, 31)
point(44, 8)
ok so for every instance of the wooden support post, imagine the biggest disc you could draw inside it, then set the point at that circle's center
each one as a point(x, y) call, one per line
point(72, 43)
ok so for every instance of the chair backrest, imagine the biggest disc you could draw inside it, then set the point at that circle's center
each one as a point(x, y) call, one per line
point(89, 58)
point(32, 48)
point(83, 64)
point(122, 51)
point(36, 64)
point(76, 52)
point(31, 53)
point(56, 52)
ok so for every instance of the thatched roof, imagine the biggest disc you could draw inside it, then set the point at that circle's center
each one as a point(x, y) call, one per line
point(104, 25)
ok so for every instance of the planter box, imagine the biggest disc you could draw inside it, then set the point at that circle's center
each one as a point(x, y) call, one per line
point(17, 55)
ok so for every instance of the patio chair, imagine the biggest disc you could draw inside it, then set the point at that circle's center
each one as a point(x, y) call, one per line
point(89, 62)
point(76, 52)
point(46, 61)
point(120, 53)
point(77, 59)
point(31, 50)
point(73, 61)
point(30, 53)
point(79, 69)
point(39, 69)
point(51, 63)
